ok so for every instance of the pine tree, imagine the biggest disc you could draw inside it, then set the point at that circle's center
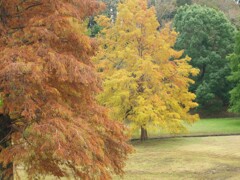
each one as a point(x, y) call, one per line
point(48, 84)
point(207, 37)
point(145, 80)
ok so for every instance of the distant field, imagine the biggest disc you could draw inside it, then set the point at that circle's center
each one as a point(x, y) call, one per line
point(205, 126)
point(205, 158)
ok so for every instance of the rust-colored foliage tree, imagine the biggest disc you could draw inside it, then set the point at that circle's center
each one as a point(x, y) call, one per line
point(48, 84)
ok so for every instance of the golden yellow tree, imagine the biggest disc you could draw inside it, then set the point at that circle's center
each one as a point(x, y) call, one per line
point(145, 80)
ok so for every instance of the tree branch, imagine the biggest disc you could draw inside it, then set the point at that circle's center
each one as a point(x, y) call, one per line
point(33, 5)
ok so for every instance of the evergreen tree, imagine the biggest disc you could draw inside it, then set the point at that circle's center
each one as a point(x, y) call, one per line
point(207, 37)
point(234, 60)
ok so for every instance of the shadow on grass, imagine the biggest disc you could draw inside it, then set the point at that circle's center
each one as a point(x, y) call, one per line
point(164, 143)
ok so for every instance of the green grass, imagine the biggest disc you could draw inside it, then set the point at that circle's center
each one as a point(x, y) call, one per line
point(185, 158)
point(204, 127)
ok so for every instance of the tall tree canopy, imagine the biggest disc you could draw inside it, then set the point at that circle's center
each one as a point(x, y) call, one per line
point(48, 84)
point(235, 76)
point(146, 84)
point(207, 37)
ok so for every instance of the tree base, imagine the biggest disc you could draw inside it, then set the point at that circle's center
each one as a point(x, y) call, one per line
point(144, 135)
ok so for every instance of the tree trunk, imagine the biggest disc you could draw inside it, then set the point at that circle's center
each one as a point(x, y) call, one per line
point(144, 135)
point(6, 173)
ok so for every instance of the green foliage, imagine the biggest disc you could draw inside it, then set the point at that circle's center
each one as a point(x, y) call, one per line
point(207, 37)
point(110, 11)
point(183, 2)
point(234, 60)
point(93, 28)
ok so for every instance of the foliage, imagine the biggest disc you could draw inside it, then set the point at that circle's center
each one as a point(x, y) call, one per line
point(234, 60)
point(207, 37)
point(93, 27)
point(183, 2)
point(229, 7)
point(111, 8)
point(110, 11)
point(146, 84)
point(165, 11)
point(49, 84)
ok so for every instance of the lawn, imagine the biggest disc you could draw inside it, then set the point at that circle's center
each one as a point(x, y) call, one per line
point(204, 127)
point(185, 158)
point(201, 158)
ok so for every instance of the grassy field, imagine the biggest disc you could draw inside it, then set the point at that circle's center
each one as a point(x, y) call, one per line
point(201, 158)
point(205, 158)
point(203, 127)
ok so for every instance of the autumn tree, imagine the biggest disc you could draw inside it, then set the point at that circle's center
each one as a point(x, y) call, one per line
point(234, 60)
point(53, 125)
point(207, 37)
point(145, 81)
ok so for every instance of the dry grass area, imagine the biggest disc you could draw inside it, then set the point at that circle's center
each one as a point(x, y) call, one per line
point(185, 158)
point(205, 158)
